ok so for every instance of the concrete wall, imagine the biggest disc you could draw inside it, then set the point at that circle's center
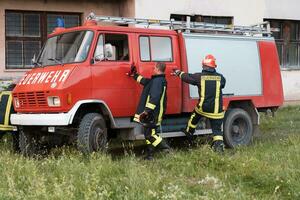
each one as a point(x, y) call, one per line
point(291, 85)
point(100, 7)
point(127, 8)
point(282, 9)
point(244, 12)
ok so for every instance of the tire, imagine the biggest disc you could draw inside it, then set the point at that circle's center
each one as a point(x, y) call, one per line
point(92, 134)
point(238, 128)
point(15, 142)
point(28, 143)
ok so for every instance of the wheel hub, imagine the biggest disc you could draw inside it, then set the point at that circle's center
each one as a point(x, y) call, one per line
point(236, 129)
point(239, 129)
point(98, 138)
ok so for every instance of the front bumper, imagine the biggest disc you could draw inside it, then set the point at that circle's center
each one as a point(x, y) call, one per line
point(57, 119)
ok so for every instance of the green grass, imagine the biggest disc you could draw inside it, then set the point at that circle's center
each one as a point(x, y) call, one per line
point(268, 169)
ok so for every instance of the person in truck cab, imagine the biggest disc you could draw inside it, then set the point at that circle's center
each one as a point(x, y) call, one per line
point(210, 105)
point(152, 106)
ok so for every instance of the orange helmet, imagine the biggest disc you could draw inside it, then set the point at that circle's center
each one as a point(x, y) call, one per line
point(209, 61)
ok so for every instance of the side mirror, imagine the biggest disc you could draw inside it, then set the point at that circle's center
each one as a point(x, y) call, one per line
point(97, 58)
point(107, 55)
point(33, 60)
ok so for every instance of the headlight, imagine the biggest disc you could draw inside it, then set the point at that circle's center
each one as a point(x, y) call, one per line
point(53, 101)
point(17, 102)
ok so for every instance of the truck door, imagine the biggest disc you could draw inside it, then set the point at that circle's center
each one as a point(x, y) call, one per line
point(111, 61)
point(157, 48)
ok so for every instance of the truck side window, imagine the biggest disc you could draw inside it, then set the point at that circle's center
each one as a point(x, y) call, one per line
point(145, 49)
point(156, 48)
point(161, 49)
point(112, 47)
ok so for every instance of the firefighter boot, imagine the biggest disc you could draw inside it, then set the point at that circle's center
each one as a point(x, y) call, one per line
point(163, 146)
point(218, 146)
point(149, 152)
point(189, 136)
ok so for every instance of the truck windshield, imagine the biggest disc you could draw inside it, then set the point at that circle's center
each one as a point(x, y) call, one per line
point(66, 48)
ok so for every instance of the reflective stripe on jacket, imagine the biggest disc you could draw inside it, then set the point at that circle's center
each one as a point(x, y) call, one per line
point(210, 85)
point(6, 109)
point(153, 98)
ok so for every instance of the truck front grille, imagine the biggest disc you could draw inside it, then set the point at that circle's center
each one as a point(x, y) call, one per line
point(31, 99)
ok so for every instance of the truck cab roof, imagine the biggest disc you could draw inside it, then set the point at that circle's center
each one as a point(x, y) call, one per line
point(114, 29)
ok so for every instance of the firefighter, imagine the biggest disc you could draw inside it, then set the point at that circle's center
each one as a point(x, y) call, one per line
point(6, 108)
point(210, 105)
point(152, 106)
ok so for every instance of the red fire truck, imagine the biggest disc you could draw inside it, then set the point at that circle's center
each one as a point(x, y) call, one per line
point(78, 90)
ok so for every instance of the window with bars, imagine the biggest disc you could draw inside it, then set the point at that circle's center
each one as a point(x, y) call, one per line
point(26, 32)
point(287, 42)
point(202, 18)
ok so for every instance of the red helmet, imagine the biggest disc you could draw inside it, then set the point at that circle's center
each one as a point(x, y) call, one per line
point(209, 61)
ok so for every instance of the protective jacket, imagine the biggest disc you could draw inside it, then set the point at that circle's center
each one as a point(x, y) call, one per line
point(210, 84)
point(6, 109)
point(153, 98)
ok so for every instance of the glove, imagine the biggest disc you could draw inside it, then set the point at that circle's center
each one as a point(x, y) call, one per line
point(176, 72)
point(146, 117)
point(132, 71)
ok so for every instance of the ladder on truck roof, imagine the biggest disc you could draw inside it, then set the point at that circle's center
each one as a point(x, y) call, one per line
point(263, 28)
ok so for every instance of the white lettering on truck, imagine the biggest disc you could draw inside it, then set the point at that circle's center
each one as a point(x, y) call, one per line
point(45, 77)
point(48, 77)
point(31, 78)
point(55, 76)
point(22, 79)
point(64, 75)
point(37, 76)
point(26, 79)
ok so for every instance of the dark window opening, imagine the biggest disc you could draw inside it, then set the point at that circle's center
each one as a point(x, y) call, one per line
point(26, 32)
point(201, 18)
point(287, 42)
point(112, 47)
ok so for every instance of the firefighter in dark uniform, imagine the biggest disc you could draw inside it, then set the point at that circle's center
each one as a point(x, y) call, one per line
point(210, 105)
point(6, 109)
point(152, 106)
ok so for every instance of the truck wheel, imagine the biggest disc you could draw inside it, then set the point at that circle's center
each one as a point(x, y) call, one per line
point(28, 143)
point(92, 133)
point(15, 141)
point(238, 128)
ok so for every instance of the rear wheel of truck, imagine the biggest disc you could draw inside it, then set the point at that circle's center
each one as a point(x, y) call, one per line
point(238, 128)
point(92, 133)
point(29, 143)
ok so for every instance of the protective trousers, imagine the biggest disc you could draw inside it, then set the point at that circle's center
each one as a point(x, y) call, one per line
point(151, 136)
point(216, 126)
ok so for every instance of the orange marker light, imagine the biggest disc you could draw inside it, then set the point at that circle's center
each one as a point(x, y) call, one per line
point(69, 98)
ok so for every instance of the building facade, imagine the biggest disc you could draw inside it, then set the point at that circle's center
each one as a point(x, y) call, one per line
point(25, 25)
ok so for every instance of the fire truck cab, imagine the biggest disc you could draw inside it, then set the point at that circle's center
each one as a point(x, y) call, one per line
point(78, 90)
